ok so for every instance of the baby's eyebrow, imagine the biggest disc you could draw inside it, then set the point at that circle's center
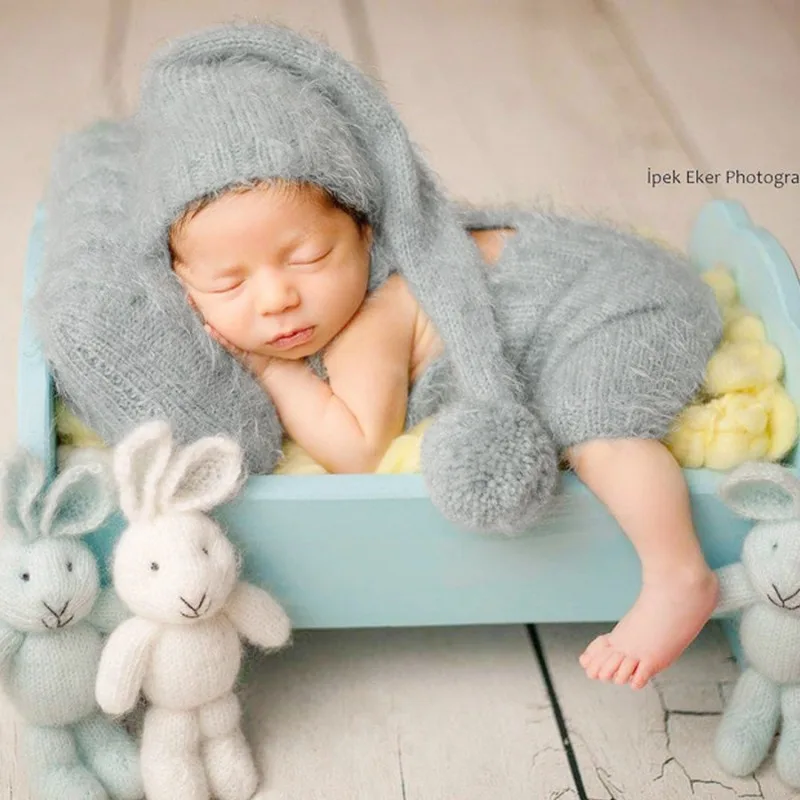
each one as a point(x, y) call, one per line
point(227, 271)
point(299, 238)
point(211, 271)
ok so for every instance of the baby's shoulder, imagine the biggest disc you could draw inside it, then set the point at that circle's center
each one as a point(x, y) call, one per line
point(394, 295)
point(395, 286)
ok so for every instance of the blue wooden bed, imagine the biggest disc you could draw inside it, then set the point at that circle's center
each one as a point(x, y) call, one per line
point(362, 551)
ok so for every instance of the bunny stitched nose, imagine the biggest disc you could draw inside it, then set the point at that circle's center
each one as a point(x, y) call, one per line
point(195, 612)
point(782, 602)
point(57, 618)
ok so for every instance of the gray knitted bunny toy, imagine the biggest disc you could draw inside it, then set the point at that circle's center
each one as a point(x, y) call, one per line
point(580, 332)
point(53, 617)
point(766, 585)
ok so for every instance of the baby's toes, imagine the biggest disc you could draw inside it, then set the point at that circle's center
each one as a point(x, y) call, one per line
point(610, 666)
point(644, 671)
point(599, 662)
point(626, 669)
point(601, 645)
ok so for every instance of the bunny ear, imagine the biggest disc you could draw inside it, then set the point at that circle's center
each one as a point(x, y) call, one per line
point(764, 492)
point(140, 461)
point(22, 479)
point(80, 498)
point(203, 475)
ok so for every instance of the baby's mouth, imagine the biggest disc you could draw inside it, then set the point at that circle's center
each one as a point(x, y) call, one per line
point(292, 338)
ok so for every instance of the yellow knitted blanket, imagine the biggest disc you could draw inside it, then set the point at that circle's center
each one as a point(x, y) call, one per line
point(743, 413)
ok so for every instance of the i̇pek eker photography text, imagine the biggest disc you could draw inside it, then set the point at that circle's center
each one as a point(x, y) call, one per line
point(735, 177)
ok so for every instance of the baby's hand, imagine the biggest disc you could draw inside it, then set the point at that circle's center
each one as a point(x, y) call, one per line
point(255, 362)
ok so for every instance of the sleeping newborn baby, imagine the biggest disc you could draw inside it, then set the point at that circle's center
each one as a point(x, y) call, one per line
point(267, 197)
point(280, 271)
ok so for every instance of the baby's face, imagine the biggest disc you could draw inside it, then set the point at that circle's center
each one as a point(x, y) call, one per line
point(276, 274)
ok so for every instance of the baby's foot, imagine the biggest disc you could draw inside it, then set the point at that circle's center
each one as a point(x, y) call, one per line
point(667, 616)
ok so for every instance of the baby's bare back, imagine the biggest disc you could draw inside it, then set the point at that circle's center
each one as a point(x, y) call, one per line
point(414, 342)
point(425, 344)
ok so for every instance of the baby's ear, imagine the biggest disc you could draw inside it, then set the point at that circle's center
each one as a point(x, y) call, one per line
point(203, 475)
point(22, 478)
point(763, 492)
point(80, 498)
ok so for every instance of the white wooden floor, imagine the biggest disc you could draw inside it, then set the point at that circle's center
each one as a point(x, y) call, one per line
point(569, 101)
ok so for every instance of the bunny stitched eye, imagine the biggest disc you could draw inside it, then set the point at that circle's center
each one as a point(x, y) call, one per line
point(205, 550)
point(774, 546)
point(69, 566)
point(26, 576)
point(153, 566)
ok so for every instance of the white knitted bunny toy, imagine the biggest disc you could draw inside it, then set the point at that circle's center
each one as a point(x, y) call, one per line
point(177, 572)
point(766, 585)
point(53, 617)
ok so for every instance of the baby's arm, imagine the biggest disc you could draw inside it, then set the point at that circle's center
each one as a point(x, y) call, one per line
point(348, 425)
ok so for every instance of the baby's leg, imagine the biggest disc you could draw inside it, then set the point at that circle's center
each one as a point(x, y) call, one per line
point(642, 486)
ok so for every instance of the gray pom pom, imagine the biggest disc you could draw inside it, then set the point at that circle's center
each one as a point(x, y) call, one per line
point(490, 468)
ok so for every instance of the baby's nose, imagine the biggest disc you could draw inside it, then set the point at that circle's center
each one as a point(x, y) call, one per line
point(274, 295)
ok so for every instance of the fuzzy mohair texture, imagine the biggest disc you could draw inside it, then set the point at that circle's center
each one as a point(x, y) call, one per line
point(177, 573)
point(765, 587)
point(581, 331)
point(53, 621)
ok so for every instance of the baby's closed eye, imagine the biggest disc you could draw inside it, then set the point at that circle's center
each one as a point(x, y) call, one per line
point(309, 257)
point(229, 285)
point(220, 282)
point(209, 281)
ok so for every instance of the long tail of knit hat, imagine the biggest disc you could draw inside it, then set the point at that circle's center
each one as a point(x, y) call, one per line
point(244, 102)
point(121, 342)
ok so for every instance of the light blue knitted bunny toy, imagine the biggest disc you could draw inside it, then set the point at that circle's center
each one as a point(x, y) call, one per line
point(766, 585)
point(52, 619)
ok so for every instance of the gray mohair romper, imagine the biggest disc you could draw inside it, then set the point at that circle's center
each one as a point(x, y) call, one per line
point(609, 332)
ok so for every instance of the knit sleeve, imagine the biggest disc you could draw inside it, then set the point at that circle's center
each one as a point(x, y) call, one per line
point(120, 339)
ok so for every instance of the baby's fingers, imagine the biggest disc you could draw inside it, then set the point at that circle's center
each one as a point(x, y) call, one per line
point(256, 364)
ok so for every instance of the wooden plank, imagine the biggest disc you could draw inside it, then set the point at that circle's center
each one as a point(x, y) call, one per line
point(51, 58)
point(521, 101)
point(429, 714)
point(13, 778)
point(733, 83)
point(789, 11)
point(152, 22)
point(51, 82)
point(656, 744)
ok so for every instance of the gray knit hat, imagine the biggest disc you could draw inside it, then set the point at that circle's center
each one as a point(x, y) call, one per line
point(244, 102)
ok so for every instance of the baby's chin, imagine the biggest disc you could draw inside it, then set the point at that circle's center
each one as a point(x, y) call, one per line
point(296, 355)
